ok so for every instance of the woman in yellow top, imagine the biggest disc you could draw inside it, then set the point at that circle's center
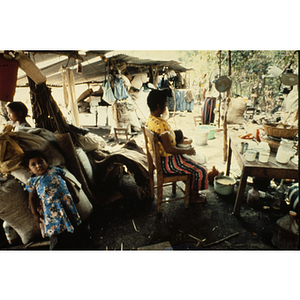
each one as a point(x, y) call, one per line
point(172, 157)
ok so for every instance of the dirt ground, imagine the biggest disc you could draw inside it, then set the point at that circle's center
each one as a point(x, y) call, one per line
point(129, 224)
point(132, 224)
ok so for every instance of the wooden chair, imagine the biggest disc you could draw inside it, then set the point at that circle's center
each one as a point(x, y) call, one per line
point(197, 120)
point(249, 113)
point(121, 134)
point(163, 179)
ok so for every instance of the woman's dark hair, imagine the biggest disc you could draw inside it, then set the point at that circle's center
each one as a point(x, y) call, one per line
point(158, 97)
point(18, 106)
point(32, 154)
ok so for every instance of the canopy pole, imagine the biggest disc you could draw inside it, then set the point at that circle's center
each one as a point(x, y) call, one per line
point(227, 100)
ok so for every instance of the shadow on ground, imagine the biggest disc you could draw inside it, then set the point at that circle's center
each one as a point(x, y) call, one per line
point(130, 224)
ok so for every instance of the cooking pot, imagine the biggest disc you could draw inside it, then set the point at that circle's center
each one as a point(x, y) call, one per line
point(224, 185)
point(223, 84)
point(289, 79)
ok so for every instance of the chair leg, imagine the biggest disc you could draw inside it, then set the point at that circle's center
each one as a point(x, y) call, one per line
point(159, 198)
point(187, 192)
point(151, 187)
point(174, 188)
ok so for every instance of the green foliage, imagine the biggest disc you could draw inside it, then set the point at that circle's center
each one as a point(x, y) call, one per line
point(249, 67)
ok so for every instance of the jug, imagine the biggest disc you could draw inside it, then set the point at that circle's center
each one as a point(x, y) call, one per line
point(285, 151)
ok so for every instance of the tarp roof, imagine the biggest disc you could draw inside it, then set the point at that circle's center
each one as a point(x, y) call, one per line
point(94, 67)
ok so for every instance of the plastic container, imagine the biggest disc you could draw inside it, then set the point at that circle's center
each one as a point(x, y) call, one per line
point(8, 78)
point(264, 157)
point(285, 151)
point(253, 197)
point(211, 130)
point(201, 135)
point(284, 237)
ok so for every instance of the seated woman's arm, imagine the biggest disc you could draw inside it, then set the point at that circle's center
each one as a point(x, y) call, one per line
point(186, 140)
point(169, 148)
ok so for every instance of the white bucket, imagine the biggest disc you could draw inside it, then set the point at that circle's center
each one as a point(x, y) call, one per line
point(201, 136)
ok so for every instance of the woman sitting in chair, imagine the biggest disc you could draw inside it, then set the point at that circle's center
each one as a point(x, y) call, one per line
point(172, 157)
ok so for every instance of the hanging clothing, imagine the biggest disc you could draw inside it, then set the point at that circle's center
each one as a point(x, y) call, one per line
point(208, 115)
point(108, 95)
point(120, 91)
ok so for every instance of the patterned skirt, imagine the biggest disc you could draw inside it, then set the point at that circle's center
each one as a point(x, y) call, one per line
point(178, 164)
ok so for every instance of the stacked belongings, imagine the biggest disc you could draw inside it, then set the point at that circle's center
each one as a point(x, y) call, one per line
point(122, 112)
point(13, 199)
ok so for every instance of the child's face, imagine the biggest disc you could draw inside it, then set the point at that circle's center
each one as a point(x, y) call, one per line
point(37, 166)
point(13, 115)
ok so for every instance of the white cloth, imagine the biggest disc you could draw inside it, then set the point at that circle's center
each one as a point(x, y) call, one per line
point(213, 93)
point(138, 80)
point(290, 103)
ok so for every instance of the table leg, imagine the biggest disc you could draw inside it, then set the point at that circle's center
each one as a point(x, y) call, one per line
point(228, 157)
point(240, 193)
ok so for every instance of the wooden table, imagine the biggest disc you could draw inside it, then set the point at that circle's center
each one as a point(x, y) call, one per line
point(271, 169)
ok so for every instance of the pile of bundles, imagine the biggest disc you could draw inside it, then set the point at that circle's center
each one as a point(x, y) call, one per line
point(92, 170)
point(13, 199)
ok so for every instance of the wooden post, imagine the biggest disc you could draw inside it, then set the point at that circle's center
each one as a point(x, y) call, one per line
point(225, 112)
point(219, 98)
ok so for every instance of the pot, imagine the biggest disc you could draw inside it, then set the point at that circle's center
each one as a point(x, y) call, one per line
point(224, 185)
point(223, 84)
point(289, 79)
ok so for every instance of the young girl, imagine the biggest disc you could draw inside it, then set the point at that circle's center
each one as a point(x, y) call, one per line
point(50, 201)
point(17, 113)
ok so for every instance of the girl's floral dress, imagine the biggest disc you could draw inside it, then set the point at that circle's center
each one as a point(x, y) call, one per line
point(58, 208)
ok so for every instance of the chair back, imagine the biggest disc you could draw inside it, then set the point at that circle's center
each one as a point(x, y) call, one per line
point(153, 155)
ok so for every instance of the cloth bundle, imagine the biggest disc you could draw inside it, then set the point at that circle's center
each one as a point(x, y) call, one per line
point(236, 109)
point(11, 153)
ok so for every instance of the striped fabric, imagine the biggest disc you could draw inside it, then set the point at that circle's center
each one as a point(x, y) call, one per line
point(208, 111)
point(178, 164)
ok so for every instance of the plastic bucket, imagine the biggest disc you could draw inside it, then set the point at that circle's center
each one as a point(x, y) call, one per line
point(211, 130)
point(201, 136)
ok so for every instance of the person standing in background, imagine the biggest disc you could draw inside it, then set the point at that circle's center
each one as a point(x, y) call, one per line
point(209, 96)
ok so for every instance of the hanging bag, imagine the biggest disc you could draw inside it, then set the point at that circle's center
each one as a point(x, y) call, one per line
point(119, 89)
point(108, 94)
